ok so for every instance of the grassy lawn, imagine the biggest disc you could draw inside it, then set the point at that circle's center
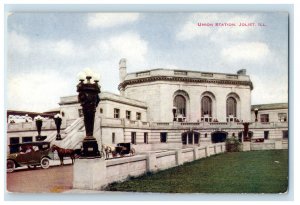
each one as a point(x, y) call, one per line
point(238, 172)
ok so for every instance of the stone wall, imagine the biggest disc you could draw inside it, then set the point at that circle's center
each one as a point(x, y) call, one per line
point(269, 145)
point(273, 114)
point(122, 168)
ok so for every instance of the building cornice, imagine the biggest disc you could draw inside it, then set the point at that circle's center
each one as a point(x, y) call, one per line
point(102, 99)
point(183, 79)
point(123, 102)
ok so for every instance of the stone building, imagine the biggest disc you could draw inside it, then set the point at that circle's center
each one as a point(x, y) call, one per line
point(171, 109)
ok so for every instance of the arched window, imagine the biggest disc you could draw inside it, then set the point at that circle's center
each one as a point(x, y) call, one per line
point(206, 106)
point(231, 107)
point(180, 104)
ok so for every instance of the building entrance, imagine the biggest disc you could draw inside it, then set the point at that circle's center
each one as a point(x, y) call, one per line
point(218, 137)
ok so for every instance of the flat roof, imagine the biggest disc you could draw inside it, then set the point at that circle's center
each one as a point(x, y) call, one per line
point(271, 106)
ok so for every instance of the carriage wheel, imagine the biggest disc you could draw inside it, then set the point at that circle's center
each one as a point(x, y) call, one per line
point(114, 154)
point(132, 151)
point(45, 163)
point(10, 165)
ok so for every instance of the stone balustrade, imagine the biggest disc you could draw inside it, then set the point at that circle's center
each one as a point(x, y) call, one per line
point(116, 122)
point(48, 124)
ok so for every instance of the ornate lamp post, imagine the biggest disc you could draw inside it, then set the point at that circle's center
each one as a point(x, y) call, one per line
point(246, 130)
point(256, 112)
point(39, 123)
point(57, 120)
point(88, 97)
point(174, 113)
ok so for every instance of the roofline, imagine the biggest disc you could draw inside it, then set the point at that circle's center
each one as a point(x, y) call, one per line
point(279, 106)
point(196, 71)
point(184, 79)
point(111, 99)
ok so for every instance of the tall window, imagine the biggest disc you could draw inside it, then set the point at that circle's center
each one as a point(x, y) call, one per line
point(196, 137)
point(266, 135)
point(190, 138)
point(14, 140)
point(163, 137)
point(264, 117)
point(128, 115)
point(113, 138)
point(206, 106)
point(285, 134)
point(146, 137)
point(138, 116)
point(133, 137)
point(116, 113)
point(180, 103)
point(231, 107)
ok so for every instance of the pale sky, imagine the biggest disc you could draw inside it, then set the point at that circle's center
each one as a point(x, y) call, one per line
point(45, 51)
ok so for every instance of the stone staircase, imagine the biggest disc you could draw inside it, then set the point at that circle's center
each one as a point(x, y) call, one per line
point(72, 136)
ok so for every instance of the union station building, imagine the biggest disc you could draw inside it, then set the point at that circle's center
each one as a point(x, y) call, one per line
point(169, 109)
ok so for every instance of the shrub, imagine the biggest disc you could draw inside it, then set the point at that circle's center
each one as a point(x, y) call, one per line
point(233, 144)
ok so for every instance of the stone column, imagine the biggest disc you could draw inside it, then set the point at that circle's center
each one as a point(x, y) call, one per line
point(215, 148)
point(193, 138)
point(179, 160)
point(207, 151)
point(151, 162)
point(278, 144)
point(246, 146)
point(196, 153)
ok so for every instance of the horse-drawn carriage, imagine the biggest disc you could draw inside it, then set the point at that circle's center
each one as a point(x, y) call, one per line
point(120, 150)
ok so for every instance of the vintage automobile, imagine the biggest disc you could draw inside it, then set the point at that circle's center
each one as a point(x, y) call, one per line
point(29, 154)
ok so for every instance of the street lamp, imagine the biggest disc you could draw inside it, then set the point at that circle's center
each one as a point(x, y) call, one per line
point(39, 123)
point(57, 120)
point(88, 97)
point(174, 113)
point(246, 130)
point(256, 112)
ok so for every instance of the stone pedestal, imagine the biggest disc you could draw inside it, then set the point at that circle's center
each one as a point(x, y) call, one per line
point(246, 146)
point(207, 151)
point(90, 148)
point(278, 144)
point(89, 174)
point(179, 157)
point(196, 153)
point(151, 162)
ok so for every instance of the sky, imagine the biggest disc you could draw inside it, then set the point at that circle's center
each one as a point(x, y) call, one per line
point(45, 51)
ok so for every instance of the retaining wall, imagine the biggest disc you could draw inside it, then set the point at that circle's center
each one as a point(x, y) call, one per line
point(122, 168)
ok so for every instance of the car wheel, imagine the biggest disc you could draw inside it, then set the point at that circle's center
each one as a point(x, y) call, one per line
point(10, 165)
point(45, 163)
point(31, 166)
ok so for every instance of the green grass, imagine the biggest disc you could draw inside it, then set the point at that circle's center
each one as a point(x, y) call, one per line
point(236, 172)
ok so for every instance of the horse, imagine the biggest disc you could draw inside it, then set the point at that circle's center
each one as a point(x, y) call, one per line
point(108, 149)
point(64, 153)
